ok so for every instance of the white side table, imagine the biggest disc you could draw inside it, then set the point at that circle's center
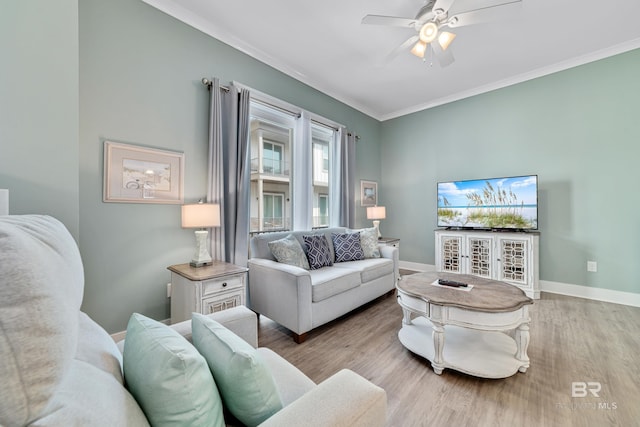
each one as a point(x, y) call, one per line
point(206, 290)
point(389, 241)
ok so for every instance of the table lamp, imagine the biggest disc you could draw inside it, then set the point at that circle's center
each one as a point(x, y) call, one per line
point(202, 216)
point(376, 213)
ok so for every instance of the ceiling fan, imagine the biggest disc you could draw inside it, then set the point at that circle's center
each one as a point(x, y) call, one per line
point(431, 21)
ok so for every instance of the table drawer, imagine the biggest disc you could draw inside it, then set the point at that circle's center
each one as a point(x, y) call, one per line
point(223, 301)
point(220, 284)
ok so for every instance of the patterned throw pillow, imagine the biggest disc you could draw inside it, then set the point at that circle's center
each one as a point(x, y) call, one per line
point(289, 251)
point(347, 247)
point(318, 251)
point(369, 242)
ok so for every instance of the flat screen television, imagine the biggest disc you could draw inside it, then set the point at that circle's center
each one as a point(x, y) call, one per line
point(509, 203)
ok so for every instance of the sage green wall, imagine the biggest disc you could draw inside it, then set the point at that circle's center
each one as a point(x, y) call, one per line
point(39, 108)
point(140, 73)
point(577, 129)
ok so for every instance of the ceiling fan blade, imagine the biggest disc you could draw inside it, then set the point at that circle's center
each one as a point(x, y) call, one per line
point(444, 57)
point(404, 46)
point(487, 14)
point(392, 21)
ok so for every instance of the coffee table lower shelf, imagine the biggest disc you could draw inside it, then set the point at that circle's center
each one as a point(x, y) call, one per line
point(486, 354)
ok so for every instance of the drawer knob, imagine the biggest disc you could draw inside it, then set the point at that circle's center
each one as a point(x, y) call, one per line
point(224, 284)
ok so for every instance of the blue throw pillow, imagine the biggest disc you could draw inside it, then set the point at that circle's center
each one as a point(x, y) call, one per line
point(318, 251)
point(347, 247)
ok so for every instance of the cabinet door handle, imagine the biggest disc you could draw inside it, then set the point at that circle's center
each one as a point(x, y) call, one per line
point(224, 284)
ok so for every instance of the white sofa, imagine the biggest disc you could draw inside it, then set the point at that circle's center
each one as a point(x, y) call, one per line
point(301, 299)
point(60, 368)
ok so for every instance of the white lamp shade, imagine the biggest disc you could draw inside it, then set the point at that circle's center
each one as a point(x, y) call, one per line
point(376, 212)
point(201, 215)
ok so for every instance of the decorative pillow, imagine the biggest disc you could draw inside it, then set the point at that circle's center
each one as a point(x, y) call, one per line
point(369, 242)
point(318, 251)
point(168, 377)
point(246, 384)
point(347, 247)
point(289, 251)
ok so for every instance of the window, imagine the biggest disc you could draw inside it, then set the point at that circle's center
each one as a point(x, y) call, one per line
point(272, 161)
point(322, 219)
point(290, 167)
point(273, 212)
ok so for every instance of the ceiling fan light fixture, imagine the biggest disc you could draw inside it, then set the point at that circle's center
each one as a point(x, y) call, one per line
point(428, 32)
point(419, 49)
point(445, 38)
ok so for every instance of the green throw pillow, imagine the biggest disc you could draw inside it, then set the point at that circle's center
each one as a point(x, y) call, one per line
point(246, 385)
point(289, 251)
point(168, 377)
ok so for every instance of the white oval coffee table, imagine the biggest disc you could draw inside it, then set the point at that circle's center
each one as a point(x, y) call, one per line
point(481, 330)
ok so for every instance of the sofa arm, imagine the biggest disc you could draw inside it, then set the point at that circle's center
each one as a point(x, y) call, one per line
point(240, 320)
point(281, 292)
point(345, 399)
point(393, 254)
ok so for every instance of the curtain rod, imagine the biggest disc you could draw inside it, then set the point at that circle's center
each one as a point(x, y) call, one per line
point(208, 83)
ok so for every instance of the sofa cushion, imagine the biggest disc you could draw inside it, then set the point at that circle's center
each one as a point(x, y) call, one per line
point(369, 242)
point(318, 251)
point(289, 251)
point(89, 396)
point(41, 286)
point(347, 246)
point(327, 282)
point(245, 382)
point(368, 269)
point(168, 377)
point(97, 348)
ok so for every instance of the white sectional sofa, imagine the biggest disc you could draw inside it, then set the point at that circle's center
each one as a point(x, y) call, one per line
point(60, 368)
point(301, 299)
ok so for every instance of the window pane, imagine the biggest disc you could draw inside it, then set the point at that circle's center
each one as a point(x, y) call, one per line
point(271, 142)
point(322, 137)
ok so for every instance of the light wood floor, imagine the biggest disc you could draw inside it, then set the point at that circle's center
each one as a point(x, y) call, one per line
point(572, 340)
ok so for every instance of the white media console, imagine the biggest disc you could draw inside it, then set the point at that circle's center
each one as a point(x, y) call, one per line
point(510, 257)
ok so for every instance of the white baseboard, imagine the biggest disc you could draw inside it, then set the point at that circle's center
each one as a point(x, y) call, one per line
point(416, 266)
point(598, 294)
point(579, 291)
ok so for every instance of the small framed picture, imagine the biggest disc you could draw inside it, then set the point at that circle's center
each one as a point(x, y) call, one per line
point(134, 174)
point(368, 193)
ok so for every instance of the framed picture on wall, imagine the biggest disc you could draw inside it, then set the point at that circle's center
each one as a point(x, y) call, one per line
point(368, 193)
point(134, 174)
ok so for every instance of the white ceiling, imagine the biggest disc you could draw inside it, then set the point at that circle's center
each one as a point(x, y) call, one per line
point(324, 44)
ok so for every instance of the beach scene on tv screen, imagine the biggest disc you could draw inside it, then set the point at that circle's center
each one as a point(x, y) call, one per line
point(489, 203)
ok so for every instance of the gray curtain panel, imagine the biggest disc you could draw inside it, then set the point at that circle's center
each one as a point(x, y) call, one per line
point(345, 173)
point(229, 172)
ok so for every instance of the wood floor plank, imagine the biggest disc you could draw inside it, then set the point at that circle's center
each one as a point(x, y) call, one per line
point(572, 340)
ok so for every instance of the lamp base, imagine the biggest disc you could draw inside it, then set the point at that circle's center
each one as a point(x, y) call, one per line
point(376, 225)
point(201, 256)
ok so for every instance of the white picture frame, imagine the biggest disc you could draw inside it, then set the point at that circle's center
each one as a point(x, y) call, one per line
point(134, 174)
point(368, 193)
